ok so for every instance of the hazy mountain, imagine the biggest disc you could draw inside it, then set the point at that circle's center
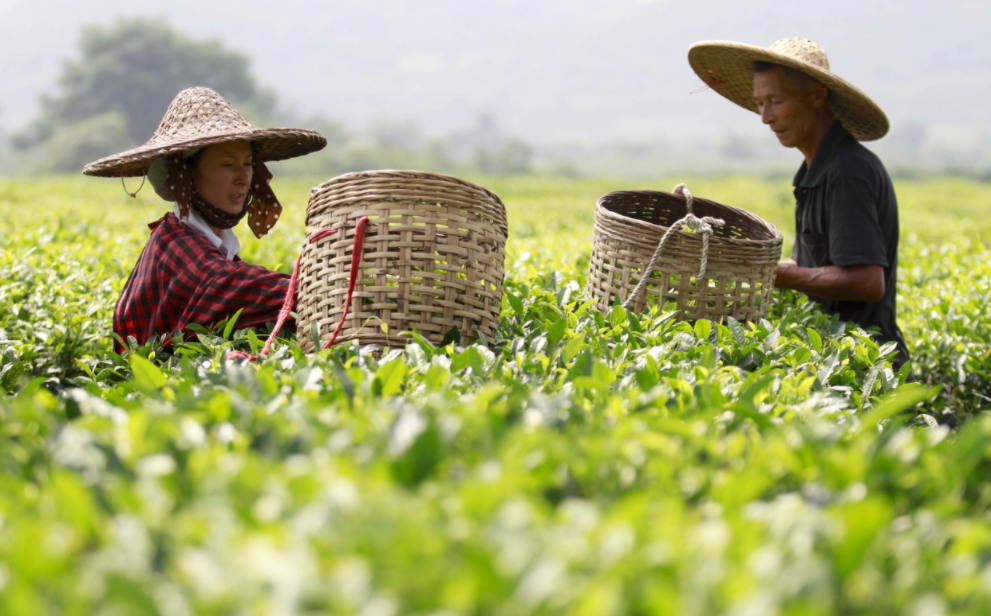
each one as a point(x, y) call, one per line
point(557, 73)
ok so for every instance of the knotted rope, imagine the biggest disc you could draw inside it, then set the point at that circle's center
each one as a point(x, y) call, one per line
point(133, 195)
point(699, 225)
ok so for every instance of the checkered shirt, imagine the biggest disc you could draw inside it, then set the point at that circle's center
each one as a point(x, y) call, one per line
point(181, 278)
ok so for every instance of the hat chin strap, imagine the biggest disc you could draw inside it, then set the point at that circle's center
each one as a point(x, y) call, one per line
point(216, 217)
point(133, 195)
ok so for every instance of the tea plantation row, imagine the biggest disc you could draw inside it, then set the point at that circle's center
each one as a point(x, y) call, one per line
point(588, 464)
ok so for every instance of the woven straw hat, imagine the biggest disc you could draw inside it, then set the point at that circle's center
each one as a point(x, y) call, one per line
point(727, 68)
point(200, 117)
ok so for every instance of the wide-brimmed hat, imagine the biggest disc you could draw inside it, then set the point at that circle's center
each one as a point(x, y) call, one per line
point(199, 117)
point(728, 68)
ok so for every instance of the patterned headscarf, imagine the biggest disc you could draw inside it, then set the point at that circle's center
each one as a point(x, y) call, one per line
point(261, 206)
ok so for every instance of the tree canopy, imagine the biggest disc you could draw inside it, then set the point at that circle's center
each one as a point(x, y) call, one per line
point(133, 69)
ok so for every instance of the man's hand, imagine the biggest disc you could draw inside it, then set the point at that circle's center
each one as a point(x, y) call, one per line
point(856, 283)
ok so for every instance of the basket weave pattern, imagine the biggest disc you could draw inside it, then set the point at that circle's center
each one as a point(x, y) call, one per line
point(743, 257)
point(433, 259)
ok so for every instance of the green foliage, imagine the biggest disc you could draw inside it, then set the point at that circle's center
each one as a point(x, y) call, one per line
point(482, 147)
point(587, 463)
point(128, 73)
point(951, 321)
point(74, 145)
point(512, 157)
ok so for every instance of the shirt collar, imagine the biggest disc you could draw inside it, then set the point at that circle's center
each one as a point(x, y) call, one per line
point(226, 241)
point(832, 142)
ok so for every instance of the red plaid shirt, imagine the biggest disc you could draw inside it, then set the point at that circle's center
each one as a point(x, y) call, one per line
point(180, 278)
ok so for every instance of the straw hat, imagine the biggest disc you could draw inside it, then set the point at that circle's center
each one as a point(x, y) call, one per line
point(727, 68)
point(199, 117)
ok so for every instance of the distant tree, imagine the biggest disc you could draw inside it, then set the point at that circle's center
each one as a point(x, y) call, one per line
point(512, 156)
point(134, 69)
point(76, 144)
point(491, 151)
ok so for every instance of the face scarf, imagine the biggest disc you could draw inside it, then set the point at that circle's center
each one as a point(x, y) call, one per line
point(260, 204)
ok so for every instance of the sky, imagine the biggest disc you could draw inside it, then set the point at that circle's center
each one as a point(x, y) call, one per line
point(551, 71)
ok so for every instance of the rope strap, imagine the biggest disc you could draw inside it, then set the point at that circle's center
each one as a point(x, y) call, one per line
point(699, 225)
point(133, 195)
point(287, 303)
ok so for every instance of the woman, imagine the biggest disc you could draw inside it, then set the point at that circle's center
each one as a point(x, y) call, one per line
point(211, 162)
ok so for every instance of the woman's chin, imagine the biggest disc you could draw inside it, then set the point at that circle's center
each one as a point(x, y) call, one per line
point(234, 208)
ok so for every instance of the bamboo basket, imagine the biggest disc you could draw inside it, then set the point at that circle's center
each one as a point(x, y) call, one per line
point(432, 260)
point(742, 257)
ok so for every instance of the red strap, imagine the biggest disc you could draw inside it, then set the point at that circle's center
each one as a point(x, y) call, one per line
point(154, 225)
point(714, 82)
point(287, 303)
point(359, 242)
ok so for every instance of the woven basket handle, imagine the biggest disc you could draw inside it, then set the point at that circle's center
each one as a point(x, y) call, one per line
point(699, 225)
point(682, 191)
point(287, 303)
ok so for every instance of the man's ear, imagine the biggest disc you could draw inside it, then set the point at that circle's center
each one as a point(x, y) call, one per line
point(821, 95)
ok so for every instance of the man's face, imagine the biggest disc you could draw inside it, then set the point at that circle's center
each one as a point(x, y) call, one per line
point(787, 107)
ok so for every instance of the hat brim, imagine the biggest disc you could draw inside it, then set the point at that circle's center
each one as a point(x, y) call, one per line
point(273, 144)
point(727, 68)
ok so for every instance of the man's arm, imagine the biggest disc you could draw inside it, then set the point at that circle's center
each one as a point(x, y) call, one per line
point(855, 283)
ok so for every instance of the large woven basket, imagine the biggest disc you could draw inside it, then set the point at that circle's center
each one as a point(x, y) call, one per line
point(433, 259)
point(739, 275)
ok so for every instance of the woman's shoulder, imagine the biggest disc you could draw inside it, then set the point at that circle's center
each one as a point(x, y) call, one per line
point(179, 247)
point(170, 232)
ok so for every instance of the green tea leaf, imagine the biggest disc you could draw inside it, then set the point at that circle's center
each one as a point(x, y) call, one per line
point(828, 367)
point(390, 376)
point(703, 328)
point(572, 347)
point(556, 332)
point(898, 401)
point(737, 329)
point(617, 316)
point(870, 381)
point(146, 374)
point(517, 305)
point(230, 324)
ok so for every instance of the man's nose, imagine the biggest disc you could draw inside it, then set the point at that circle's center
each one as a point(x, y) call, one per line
point(765, 114)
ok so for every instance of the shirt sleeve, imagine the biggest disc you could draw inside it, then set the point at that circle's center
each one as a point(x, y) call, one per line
point(855, 236)
point(207, 288)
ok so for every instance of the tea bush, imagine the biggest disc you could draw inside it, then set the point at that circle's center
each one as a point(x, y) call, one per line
point(587, 463)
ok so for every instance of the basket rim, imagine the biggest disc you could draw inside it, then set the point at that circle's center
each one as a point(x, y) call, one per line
point(661, 229)
point(405, 174)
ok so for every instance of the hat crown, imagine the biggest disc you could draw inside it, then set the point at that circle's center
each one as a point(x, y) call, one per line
point(802, 49)
point(199, 112)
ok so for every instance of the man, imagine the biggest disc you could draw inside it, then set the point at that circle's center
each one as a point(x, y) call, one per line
point(846, 217)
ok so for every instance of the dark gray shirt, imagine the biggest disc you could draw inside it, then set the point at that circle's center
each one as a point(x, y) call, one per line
point(846, 214)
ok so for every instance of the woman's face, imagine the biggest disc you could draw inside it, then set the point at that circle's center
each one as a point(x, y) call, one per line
point(222, 175)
